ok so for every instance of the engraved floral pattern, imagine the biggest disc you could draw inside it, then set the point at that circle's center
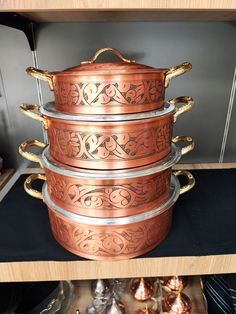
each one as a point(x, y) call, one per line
point(133, 193)
point(81, 145)
point(114, 93)
point(101, 241)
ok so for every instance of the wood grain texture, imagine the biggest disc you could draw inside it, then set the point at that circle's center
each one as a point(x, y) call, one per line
point(139, 267)
point(5, 176)
point(83, 297)
point(130, 16)
point(121, 10)
point(39, 5)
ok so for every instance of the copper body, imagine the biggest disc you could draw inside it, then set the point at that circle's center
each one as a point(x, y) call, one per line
point(108, 198)
point(110, 238)
point(175, 283)
point(110, 242)
point(109, 87)
point(177, 303)
point(141, 289)
point(146, 311)
point(109, 94)
point(106, 145)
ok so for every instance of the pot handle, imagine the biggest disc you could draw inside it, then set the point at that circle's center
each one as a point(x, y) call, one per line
point(190, 178)
point(41, 75)
point(28, 185)
point(32, 111)
point(187, 140)
point(100, 51)
point(23, 150)
point(176, 71)
point(186, 104)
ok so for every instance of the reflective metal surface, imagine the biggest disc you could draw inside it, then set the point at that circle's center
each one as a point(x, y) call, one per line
point(109, 87)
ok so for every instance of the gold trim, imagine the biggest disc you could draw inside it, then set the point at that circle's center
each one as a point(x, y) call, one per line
point(186, 139)
point(28, 155)
point(191, 180)
point(41, 75)
point(176, 71)
point(28, 185)
point(187, 100)
point(100, 51)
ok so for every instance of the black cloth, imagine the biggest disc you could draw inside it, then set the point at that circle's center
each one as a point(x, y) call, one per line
point(203, 223)
point(220, 293)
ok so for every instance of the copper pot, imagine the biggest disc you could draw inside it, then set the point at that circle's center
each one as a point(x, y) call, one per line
point(117, 142)
point(110, 238)
point(102, 193)
point(110, 87)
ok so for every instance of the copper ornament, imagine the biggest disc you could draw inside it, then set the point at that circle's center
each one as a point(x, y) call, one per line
point(108, 238)
point(146, 310)
point(107, 194)
point(99, 288)
point(116, 307)
point(174, 283)
point(141, 289)
point(177, 303)
point(109, 87)
point(117, 142)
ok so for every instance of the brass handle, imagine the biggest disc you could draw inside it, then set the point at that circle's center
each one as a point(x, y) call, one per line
point(32, 111)
point(41, 75)
point(100, 51)
point(187, 140)
point(191, 180)
point(23, 150)
point(176, 71)
point(28, 185)
point(186, 104)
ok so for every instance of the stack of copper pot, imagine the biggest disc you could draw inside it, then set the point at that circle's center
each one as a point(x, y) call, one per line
point(109, 187)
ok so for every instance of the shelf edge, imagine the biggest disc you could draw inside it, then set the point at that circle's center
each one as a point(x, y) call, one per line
point(144, 267)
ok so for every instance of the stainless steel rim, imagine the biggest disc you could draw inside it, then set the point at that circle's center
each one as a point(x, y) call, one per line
point(49, 110)
point(173, 196)
point(78, 173)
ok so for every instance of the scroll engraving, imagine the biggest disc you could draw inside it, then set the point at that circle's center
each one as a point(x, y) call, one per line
point(81, 145)
point(114, 93)
point(128, 195)
point(104, 241)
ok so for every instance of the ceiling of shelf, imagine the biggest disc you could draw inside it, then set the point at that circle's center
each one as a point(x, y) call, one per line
point(116, 16)
point(122, 10)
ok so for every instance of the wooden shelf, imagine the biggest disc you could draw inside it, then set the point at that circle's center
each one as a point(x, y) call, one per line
point(140, 267)
point(5, 176)
point(121, 10)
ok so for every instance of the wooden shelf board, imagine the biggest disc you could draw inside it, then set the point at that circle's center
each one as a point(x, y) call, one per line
point(121, 10)
point(128, 16)
point(83, 297)
point(5, 176)
point(144, 267)
point(55, 5)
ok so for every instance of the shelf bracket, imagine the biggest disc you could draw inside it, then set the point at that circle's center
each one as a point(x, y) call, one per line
point(21, 23)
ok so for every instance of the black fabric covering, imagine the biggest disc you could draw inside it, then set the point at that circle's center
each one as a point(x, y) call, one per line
point(220, 292)
point(203, 223)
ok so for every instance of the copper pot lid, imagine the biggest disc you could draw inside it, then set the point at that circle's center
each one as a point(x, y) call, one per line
point(123, 66)
point(163, 164)
point(173, 196)
point(49, 110)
